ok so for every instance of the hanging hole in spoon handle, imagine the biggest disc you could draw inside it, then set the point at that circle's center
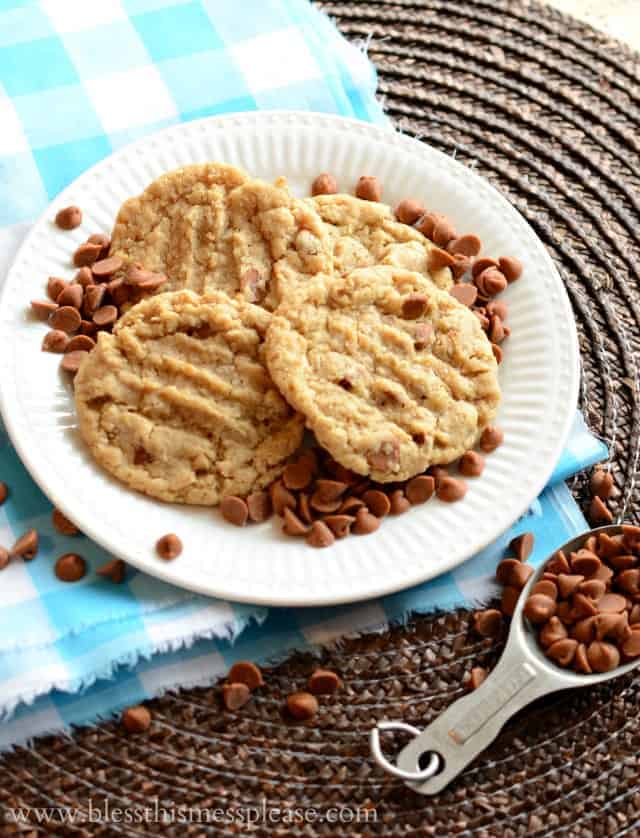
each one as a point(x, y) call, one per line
point(428, 763)
point(470, 724)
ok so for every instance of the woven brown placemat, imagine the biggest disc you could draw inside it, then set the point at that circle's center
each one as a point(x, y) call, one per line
point(549, 111)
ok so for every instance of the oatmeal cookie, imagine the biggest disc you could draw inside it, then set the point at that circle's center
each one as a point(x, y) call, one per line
point(366, 233)
point(177, 402)
point(277, 240)
point(209, 227)
point(392, 373)
point(179, 226)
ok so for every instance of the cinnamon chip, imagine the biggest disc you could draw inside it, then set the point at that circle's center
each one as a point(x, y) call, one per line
point(246, 672)
point(365, 522)
point(71, 361)
point(510, 267)
point(340, 525)
point(297, 475)
point(601, 484)
point(350, 505)
point(420, 489)
point(612, 602)
point(234, 510)
point(468, 245)
point(114, 571)
point(63, 524)
point(71, 295)
point(414, 306)
point(281, 498)
point(599, 513)
point(330, 489)
point(491, 438)
point(409, 211)
point(509, 600)
point(136, 719)
point(302, 706)
point(460, 265)
point(496, 332)
point(169, 547)
point(426, 224)
point(320, 535)
point(103, 240)
point(539, 608)
point(65, 319)
point(55, 341)
point(443, 231)
point(81, 343)
point(369, 188)
point(235, 696)
point(377, 502)
point(324, 184)
point(602, 657)
point(522, 545)
point(54, 286)
point(69, 218)
point(93, 297)
point(568, 583)
point(70, 568)
point(105, 315)
point(552, 631)
point(106, 267)
point(450, 489)
point(324, 682)
point(43, 308)
point(438, 258)
point(505, 570)
point(86, 254)
point(498, 308)
point(26, 547)
point(465, 293)
point(488, 623)
point(490, 282)
point(563, 651)
point(320, 504)
point(471, 464)
point(482, 264)
point(84, 278)
point(259, 506)
point(293, 525)
point(385, 457)
point(304, 510)
point(399, 503)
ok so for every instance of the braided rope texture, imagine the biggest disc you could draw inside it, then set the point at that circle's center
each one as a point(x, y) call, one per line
point(548, 110)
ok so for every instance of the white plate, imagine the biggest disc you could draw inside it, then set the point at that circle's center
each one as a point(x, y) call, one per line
point(539, 376)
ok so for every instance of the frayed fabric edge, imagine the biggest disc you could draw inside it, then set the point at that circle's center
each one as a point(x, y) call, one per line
point(229, 632)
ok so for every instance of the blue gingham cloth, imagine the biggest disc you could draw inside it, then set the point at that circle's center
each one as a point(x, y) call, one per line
point(78, 80)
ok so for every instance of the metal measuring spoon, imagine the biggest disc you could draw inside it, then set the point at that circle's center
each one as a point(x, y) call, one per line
point(523, 674)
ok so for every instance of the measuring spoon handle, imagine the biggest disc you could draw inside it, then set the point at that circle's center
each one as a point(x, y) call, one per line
point(471, 723)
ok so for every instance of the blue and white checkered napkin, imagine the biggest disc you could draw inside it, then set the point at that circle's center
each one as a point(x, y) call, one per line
point(78, 80)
